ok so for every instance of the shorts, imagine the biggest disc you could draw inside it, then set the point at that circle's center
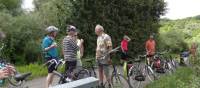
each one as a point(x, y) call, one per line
point(124, 56)
point(150, 55)
point(105, 68)
point(51, 67)
point(70, 66)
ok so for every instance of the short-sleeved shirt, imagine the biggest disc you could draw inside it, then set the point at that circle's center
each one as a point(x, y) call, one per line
point(103, 42)
point(70, 49)
point(51, 53)
point(124, 45)
point(150, 46)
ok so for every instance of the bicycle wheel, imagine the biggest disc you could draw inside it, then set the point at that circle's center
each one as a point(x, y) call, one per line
point(169, 68)
point(14, 83)
point(84, 73)
point(150, 74)
point(119, 81)
point(133, 72)
point(93, 73)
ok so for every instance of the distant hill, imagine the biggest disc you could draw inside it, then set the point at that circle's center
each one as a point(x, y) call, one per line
point(179, 34)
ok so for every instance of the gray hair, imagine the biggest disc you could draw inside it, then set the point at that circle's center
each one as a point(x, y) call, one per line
point(98, 26)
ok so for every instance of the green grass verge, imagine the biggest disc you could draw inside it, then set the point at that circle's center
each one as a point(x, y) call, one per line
point(37, 70)
point(180, 79)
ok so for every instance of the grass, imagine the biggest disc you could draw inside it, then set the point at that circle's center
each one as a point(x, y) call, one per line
point(180, 79)
point(38, 70)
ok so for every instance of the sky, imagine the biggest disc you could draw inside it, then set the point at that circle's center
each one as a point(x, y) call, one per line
point(176, 9)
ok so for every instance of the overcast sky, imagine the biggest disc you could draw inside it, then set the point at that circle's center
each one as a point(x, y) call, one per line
point(177, 9)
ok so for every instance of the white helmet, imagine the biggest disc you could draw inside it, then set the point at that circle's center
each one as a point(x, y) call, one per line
point(51, 29)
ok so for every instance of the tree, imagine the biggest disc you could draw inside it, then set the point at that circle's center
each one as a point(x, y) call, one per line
point(136, 18)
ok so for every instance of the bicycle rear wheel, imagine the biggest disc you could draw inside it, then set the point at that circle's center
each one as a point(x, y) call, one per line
point(133, 72)
point(119, 81)
point(84, 73)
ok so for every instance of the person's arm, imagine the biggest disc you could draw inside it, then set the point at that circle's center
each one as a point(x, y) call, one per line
point(46, 46)
point(129, 39)
point(82, 48)
point(109, 46)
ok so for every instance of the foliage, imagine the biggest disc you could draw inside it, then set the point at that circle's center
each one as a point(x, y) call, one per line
point(136, 18)
point(179, 34)
point(182, 78)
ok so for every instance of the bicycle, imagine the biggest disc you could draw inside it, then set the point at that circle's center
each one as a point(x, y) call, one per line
point(90, 67)
point(63, 77)
point(117, 79)
point(16, 79)
point(139, 73)
point(166, 64)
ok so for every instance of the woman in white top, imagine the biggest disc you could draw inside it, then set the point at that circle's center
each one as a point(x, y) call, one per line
point(80, 51)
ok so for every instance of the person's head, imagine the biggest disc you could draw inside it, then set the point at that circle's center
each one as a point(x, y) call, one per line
point(151, 37)
point(99, 29)
point(51, 31)
point(71, 30)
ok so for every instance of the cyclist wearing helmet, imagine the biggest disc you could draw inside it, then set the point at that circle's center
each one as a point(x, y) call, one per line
point(49, 46)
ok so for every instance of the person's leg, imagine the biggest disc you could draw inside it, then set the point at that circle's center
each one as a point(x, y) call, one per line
point(50, 75)
point(101, 74)
point(107, 73)
point(49, 80)
point(125, 68)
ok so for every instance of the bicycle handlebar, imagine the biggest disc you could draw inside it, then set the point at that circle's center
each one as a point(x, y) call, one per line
point(111, 51)
point(52, 61)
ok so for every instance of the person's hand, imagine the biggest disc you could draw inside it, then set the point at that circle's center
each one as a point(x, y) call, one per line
point(109, 62)
point(4, 73)
point(54, 45)
point(11, 69)
point(82, 41)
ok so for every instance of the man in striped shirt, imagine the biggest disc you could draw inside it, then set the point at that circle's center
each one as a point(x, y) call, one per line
point(70, 49)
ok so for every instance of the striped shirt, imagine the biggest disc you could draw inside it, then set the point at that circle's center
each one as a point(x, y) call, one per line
point(70, 49)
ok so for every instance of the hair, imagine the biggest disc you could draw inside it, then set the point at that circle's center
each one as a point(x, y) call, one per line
point(98, 26)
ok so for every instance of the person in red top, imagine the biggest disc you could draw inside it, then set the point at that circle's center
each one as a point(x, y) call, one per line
point(124, 47)
point(124, 55)
point(150, 48)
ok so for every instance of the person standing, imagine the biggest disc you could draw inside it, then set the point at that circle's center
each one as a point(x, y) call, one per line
point(49, 46)
point(70, 49)
point(80, 52)
point(104, 45)
point(124, 54)
point(150, 47)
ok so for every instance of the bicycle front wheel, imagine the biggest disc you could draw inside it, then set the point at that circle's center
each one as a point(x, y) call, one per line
point(119, 81)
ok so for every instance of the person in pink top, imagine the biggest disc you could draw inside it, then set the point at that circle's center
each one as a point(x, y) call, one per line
point(124, 47)
point(124, 55)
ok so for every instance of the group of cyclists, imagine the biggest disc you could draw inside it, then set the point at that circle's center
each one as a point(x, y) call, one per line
point(72, 50)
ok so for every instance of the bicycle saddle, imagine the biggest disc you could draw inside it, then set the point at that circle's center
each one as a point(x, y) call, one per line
point(21, 77)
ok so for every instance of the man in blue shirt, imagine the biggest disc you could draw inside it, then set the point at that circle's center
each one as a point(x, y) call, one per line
point(49, 46)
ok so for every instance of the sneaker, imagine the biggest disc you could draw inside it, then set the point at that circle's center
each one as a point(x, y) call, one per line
point(68, 79)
